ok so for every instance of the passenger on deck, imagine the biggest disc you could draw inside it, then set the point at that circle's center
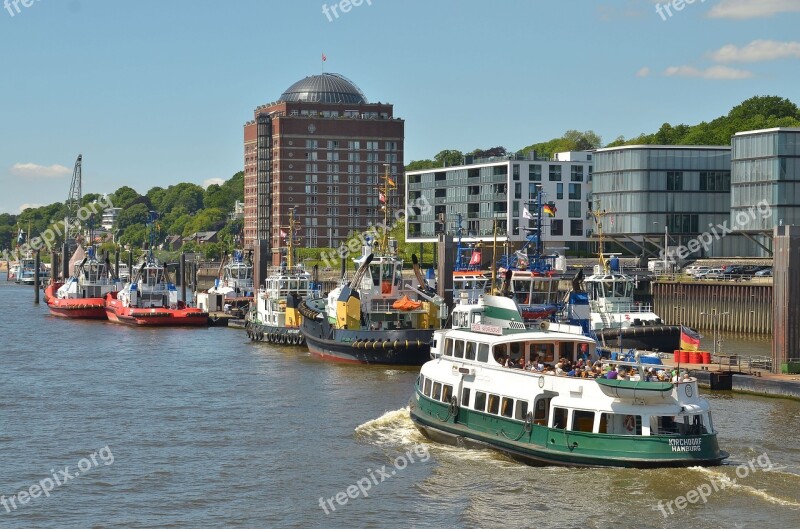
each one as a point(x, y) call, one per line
point(612, 375)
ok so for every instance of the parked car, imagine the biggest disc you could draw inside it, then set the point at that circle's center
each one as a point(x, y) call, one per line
point(713, 273)
point(695, 270)
point(764, 272)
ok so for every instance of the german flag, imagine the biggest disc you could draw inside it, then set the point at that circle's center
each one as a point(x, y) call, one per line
point(549, 209)
point(690, 339)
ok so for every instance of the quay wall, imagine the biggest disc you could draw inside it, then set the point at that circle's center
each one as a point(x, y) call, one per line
point(748, 304)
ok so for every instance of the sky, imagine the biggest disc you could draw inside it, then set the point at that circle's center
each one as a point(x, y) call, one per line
point(154, 92)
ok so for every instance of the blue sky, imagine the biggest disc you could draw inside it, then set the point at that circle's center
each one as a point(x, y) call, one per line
point(155, 92)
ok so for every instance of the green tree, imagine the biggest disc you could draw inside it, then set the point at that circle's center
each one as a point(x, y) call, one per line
point(449, 158)
point(124, 196)
point(131, 216)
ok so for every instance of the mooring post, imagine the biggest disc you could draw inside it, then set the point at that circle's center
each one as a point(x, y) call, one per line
point(182, 276)
point(65, 262)
point(36, 281)
point(116, 263)
point(53, 266)
point(786, 292)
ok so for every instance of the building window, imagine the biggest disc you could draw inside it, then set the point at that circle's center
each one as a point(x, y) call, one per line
point(372, 145)
point(683, 223)
point(576, 228)
point(715, 181)
point(574, 210)
point(333, 144)
point(559, 191)
point(354, 145)
point(556, 227)
point(555, 173)
point(674, 181)
point(311, 144)
point(516, 171)
point(518, 190)
point(391, 145)
point(535, 172)
point(576, 173)
point(574, 191)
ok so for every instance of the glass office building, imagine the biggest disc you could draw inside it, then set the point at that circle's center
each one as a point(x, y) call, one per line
point(645, 188)
point(765, 179)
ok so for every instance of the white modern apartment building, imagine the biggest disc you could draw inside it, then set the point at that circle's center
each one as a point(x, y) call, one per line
point(501, 189)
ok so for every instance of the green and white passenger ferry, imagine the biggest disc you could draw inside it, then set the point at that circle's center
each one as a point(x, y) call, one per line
point(465, 397)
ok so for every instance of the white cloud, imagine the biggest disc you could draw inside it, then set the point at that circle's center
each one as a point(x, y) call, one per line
point(25, 206)
point(720, 73)
point(644, 72)
point(745, 9)
point(212, 181)
point(757, 51)
point(32, 170)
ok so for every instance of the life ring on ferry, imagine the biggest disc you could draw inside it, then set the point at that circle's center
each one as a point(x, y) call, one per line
point(630, 422)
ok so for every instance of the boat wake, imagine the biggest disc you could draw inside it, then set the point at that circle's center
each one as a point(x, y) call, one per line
point(724, 481)
point(393, 428)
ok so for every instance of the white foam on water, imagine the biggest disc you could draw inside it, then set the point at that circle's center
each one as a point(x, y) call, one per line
point(393, 428)
point(726, 482)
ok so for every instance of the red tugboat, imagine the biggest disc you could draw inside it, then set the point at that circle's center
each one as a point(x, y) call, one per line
point(150, 300)
point(83, 295)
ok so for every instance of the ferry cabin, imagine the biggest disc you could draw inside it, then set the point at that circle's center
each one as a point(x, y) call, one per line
point(466, 396)
point(90, 280)
point(612, 304)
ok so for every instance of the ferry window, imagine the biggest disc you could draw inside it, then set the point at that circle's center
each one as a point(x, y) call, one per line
point(470, 352)
point(516, 351)
point(582, 421)
point(544, 351)
point(480, 401)
point(483, 352)
point(500, 352)
point(420, 381)
point(619, 289)
point(522, 410)
point(622, 424)
point(375, 271)
point(565, 350)
point(447, 393)
point(710, 423)
point(560, 418)
point(508, 407)
point(541, 412)
point(459, 351)
point(494, 404)
point(663, 425)
point(427, 391)
point(437, 391)
point(603, 428)
point(448, 347)
point(465, 397)
point(697, 426)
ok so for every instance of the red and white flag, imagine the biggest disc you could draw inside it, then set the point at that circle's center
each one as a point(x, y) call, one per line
point(381, 197)
point(324, 58)
point(283, 233)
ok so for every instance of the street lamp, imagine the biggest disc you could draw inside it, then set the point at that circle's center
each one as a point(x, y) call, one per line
point(716, 317)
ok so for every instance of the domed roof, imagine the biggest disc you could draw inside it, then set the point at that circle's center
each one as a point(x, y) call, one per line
point(324, 88)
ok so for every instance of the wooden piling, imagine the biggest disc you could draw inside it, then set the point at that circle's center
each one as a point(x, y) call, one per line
point(36, 281)
point(182, 276)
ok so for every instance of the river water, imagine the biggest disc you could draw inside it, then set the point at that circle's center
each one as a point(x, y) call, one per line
point(204, 429)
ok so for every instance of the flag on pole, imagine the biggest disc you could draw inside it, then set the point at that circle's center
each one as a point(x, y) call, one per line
point(391, 182)
point(324, 58)
point(381, 196)
point(476, 258)
point(20, 236)
point(283, 233)
point(526, 214)
point(690, 339)
point(550, 209)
